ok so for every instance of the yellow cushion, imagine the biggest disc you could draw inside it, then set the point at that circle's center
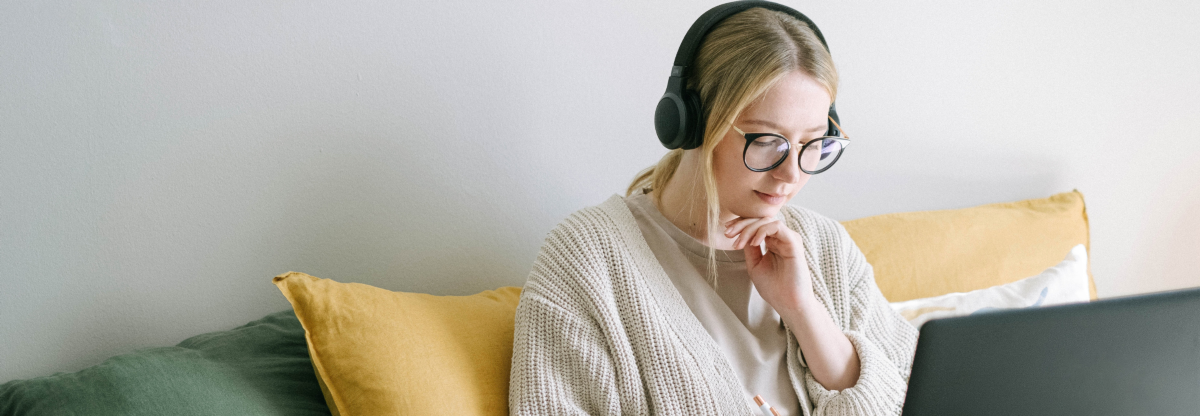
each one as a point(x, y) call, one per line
point(931, 253)
point(379, 352)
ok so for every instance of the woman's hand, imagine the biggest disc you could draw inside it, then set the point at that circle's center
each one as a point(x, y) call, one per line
point(782, 278)
point(781, 275)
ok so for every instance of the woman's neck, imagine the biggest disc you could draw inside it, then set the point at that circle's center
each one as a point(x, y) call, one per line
point(682, 201)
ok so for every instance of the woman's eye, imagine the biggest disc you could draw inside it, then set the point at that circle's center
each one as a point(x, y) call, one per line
point(767, 142)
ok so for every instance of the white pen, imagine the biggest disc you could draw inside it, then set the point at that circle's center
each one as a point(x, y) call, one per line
point(764, 407)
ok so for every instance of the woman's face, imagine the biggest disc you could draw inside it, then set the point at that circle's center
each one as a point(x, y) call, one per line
point(796, 107)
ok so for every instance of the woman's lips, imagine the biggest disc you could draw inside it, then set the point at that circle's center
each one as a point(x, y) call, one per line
point(770, 199)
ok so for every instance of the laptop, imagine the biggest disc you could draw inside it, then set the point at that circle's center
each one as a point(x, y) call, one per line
point(1134, 355)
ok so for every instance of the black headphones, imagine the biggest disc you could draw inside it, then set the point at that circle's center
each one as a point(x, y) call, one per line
point(678, 118)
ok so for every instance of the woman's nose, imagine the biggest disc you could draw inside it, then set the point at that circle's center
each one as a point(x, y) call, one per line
point(789, 171)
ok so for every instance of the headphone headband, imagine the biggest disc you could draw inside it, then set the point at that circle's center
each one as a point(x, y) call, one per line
point(695, 34)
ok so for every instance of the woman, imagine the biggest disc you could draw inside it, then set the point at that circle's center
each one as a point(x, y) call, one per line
point(702, 288)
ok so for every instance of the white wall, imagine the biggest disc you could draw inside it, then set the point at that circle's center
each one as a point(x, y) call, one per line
point(161, 161)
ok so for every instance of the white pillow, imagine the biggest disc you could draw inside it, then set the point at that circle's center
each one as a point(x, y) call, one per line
point(1065, 283)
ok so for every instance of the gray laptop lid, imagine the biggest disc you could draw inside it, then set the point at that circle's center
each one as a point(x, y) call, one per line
point(1136, 355)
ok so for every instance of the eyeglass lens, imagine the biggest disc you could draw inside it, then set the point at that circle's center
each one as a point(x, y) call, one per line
point(766, 152)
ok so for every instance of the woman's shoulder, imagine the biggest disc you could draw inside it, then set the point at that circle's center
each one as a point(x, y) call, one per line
point(590, 232)
point(574, 260)
point(600, 221)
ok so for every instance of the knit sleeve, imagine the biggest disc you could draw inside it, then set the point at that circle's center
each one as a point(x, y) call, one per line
point(563, 361)
point(882, 338)
point(560, 365)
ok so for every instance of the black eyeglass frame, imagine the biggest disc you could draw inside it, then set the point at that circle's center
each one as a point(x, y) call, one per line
point(844, 140)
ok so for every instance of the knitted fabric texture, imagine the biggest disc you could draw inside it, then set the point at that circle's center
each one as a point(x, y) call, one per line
point(601, 330)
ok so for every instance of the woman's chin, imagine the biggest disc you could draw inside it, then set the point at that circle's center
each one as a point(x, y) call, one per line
point(758, 210)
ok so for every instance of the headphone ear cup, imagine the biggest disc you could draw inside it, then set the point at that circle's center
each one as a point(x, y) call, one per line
point(694, 119)
point(669, 118)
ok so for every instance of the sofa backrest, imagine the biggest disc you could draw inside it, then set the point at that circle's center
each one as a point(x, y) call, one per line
point(931, 253)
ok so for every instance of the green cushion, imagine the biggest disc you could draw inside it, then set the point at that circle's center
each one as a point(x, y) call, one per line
point(261, 368)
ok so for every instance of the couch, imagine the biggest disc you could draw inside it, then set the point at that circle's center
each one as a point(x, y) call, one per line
point(348, 348)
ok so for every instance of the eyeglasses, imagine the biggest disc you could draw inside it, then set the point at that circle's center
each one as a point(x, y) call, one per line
point(766, 151)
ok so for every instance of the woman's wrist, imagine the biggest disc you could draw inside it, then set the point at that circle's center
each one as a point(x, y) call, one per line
point(801, 311)
point(831, 356)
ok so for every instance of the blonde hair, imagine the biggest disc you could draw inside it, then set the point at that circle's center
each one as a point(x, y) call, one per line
point(739, 60)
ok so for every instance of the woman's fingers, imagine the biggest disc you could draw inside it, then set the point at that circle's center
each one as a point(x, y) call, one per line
point(735, 226)
point(742, 229)
point(763, 232)
point(753, 232)
point(783, 239)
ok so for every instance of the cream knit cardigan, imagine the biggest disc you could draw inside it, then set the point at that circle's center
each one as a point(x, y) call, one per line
point(601, 330)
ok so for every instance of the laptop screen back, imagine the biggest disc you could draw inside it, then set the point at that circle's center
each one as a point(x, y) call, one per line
point(1137, 355)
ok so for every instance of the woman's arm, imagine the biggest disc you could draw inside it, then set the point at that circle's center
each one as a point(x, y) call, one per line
point(565, 362)
point(857, 361)
point(883, 340)
point(560, 364)
point(782, 278)
point(830, 355)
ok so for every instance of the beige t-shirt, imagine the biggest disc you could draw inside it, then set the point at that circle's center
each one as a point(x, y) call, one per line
point(746, 328)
